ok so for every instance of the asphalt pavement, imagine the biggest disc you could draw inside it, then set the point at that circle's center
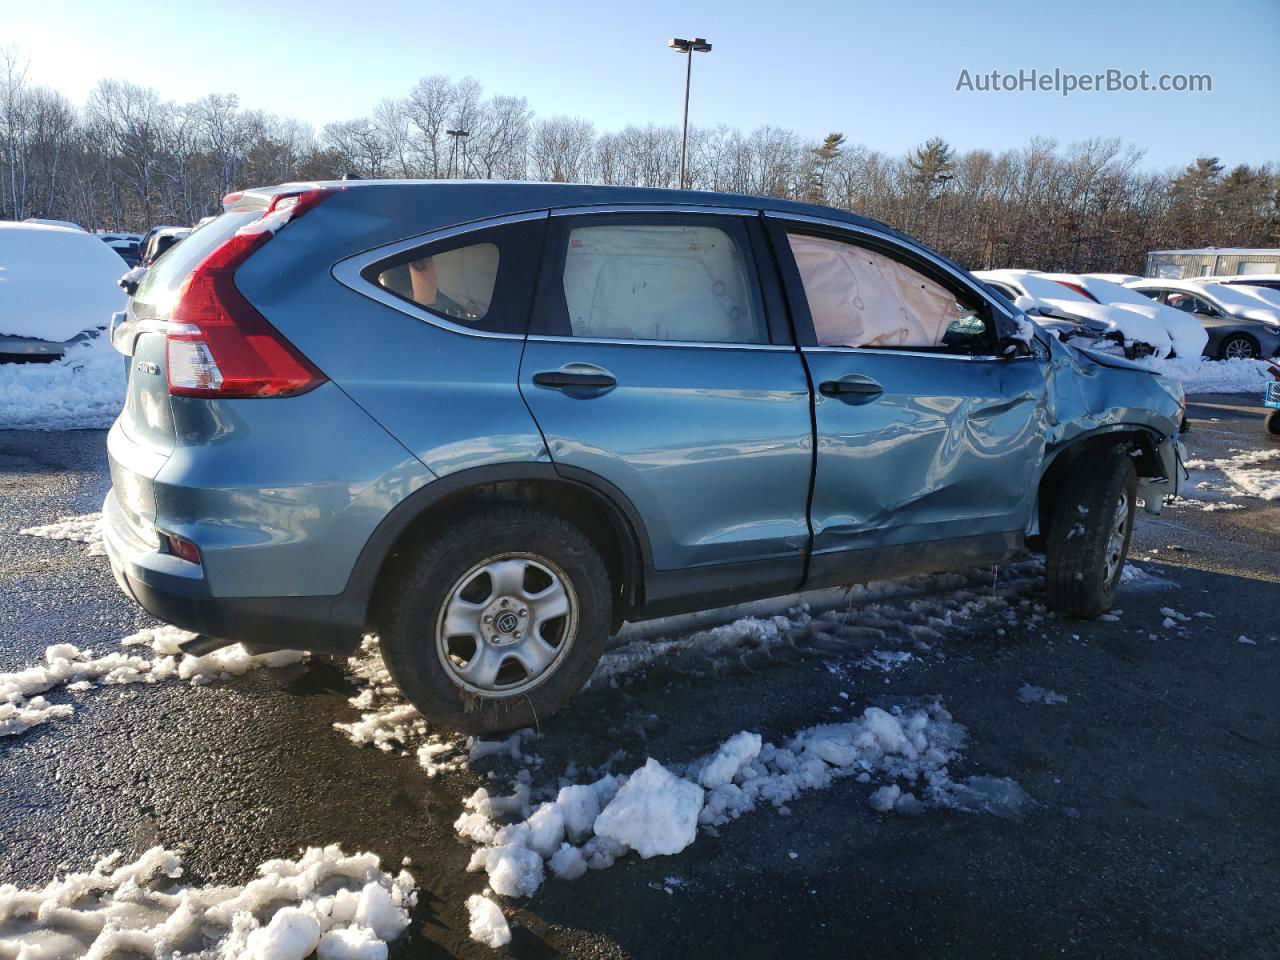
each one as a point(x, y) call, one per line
point(1152, 830)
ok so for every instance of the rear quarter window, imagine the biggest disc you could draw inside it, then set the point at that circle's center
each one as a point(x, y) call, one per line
point(481, 280)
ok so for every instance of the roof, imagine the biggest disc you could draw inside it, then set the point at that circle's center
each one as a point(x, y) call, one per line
point(588, 194)
point(1220, 252)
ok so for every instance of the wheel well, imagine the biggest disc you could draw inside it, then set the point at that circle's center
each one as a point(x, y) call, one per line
point(603, 523)
point(1140, 444)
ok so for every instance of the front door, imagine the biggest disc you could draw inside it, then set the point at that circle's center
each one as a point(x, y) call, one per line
point(657, 362)
point(925, 436)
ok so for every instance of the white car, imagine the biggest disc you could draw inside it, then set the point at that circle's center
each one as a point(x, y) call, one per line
point(1076, 317)
point(1187, 336)
point(57, 286)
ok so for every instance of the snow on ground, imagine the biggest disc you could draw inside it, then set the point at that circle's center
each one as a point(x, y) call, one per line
point(82, 529)
point(487, 924)
point(83, 390)
point(325, 903)
point(1243, 474)
point(23, 706)
point(1202, 375)
point(658, 809)
point(1028, 693)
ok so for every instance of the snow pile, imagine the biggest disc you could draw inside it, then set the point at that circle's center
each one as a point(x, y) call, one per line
point(657, 809)
point(325, 903)
point(82, 529)
point(66, 665)
point(1245, 474)
point(83, 390)
point(1028, 693)
point(488, 925)
point(1202, 375)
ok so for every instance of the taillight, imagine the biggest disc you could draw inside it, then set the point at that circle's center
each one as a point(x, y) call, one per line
point(1079, 289)
point(218, 344)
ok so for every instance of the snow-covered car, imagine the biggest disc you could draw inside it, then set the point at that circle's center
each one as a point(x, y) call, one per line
point(1187, 336)
point(54, 223)
point(57, 287)
point(1073, 316)
point(1240, 321)
point(1121, 278)
point(1269, 281)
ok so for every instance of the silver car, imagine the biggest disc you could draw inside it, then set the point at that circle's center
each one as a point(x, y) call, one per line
point(1240, 321)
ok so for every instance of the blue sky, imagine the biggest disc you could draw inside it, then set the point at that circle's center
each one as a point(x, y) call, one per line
point(884, 74)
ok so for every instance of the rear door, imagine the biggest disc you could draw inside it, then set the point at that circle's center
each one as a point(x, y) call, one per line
point(924, 434)
point(658, 363)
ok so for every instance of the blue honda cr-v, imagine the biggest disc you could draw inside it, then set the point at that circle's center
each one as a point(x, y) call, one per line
point(490, 422)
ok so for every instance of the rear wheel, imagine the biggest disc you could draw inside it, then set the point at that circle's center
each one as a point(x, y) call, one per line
point(1089, 533)
point(1238, 346)
point(496, 622)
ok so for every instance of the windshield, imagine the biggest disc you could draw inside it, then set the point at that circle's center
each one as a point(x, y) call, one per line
point(1238, 295)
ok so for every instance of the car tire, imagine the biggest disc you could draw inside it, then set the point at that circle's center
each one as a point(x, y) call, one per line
point(475, 675)
point(1089, 534)
point(1245, 347)
point(1273, 423)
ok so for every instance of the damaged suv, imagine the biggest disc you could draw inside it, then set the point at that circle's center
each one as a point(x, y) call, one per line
point(490, 422)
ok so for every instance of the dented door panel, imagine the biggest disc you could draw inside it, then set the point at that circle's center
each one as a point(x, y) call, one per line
point(951, 448)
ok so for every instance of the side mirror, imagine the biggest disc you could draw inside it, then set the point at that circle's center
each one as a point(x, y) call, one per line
point(130, 281)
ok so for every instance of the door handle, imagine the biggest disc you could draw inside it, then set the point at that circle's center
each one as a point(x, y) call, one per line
point(560, 379)
point(853, 389)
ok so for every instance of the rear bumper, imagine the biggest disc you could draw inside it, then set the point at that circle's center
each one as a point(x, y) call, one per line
point(176, 592)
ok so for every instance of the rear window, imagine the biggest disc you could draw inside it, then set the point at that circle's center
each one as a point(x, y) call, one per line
point(167, 273)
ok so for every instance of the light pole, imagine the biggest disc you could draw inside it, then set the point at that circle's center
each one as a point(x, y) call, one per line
point(453, 154)
point(688, 48)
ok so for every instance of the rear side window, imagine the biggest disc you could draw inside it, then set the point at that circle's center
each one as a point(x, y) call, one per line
point(657, 277)
point(859, 297)
point(481, 280)
point(457, 283)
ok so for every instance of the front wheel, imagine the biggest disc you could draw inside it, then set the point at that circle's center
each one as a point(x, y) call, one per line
point(1089, 533)
point(496, 622)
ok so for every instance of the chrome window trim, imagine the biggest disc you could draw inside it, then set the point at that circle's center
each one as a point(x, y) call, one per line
point(625, 342)
point(348, 272)
point(893, 241)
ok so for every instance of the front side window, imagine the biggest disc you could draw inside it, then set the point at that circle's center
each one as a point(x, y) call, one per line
point(680, 280)
point(456, 283)
point(859, 297)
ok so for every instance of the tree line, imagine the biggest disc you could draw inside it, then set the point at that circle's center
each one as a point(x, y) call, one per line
point(127, 159)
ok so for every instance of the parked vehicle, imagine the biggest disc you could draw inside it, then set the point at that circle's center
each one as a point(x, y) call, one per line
point(1075, 316)
point(1120, 278)
point(1155, 322)
point(491, 422)
point(127, 245)
point(159, 239)
point(1239, 323)
point(1269, 281)
point(57, 287)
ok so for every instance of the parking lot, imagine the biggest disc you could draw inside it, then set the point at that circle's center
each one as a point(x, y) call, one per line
point(1149, 827)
